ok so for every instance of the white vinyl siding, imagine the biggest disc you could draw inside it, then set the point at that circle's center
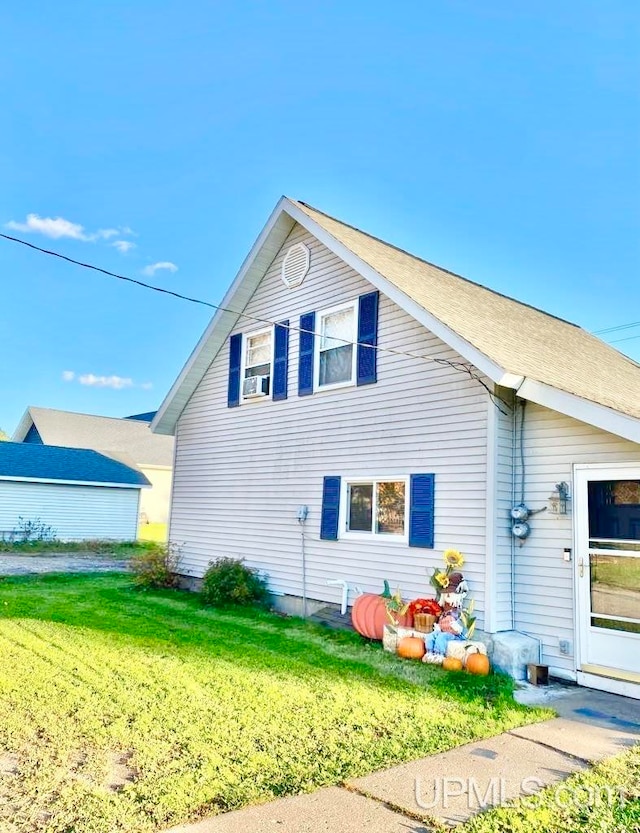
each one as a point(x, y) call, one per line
point(241, 474)
point(76, 513)
point(544, 598)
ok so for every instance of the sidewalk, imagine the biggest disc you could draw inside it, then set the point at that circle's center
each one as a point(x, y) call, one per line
point(590, 726)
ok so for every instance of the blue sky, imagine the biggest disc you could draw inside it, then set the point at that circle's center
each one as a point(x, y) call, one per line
point(498, 139)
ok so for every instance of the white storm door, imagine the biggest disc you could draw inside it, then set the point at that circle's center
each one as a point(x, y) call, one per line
point(607, 505)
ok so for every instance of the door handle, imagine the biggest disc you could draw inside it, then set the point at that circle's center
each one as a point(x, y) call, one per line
point(581, 567)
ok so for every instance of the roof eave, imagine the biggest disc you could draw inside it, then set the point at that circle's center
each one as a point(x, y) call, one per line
point(256, 263)
point(607, 419)
point(23, 427)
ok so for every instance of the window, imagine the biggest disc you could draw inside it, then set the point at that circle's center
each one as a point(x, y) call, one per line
point(257, 361)
point(376, 507)
point(335, 358)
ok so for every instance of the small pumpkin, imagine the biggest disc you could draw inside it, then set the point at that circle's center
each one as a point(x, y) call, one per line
point(452, 664)
point(478, 664)
point(411, 647)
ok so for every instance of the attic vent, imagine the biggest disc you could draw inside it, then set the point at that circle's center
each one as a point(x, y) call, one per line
point(295, 265)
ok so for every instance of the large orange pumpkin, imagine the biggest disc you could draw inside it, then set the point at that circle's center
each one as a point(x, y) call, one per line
point(411, 647)
point(478, 664)
point(369, 616)
point(452, 664)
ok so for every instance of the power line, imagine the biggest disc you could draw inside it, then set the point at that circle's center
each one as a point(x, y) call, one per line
point(463, 367)
point(618, 340)
point(619, 327)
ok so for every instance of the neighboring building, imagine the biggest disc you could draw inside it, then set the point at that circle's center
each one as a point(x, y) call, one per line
point(77, 492)
point(129, 440)
point(472, 403)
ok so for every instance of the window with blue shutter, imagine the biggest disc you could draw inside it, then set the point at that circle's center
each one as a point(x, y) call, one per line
point(305, 366)
point(330, 509)
point(235, 360)
point(421, 510)
point(281, 361)
point(367, 335)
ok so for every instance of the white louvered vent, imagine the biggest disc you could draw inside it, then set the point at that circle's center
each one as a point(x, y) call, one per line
point(295, 265)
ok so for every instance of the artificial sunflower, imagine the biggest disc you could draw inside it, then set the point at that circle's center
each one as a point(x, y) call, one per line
point(442, 579)
point(453, 558)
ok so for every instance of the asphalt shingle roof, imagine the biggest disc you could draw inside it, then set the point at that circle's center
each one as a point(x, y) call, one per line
point(50, 462)
point(127, 439)
point(519, 338)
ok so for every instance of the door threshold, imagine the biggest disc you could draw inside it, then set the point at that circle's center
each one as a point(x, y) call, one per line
point(625, 683)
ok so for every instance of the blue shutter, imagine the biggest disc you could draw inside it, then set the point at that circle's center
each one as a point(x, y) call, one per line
point(421, 501)
point(305, 366)
point(235, 360)
point(330, 509)
point(281, 360)
point(367, 334)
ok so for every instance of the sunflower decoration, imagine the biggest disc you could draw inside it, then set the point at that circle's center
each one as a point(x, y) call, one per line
point(440, 578)
point(453, 558)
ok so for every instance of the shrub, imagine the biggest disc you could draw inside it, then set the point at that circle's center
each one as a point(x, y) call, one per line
point(156, 566)
point(228, 582)
point(34, 531)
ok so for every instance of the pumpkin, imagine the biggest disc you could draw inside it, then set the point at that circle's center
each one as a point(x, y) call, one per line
point(369, 614)
point(452, 664)
point(478, 664)
point(411, 647)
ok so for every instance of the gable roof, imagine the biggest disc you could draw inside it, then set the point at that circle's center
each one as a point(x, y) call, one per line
point(130, 440)
point(543, 358)
point(31, 461)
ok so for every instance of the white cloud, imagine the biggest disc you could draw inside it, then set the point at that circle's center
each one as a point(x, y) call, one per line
point(58, 227)
point(93, 380)
point(50, 227)
point(115, 382)
point(152, 268)
point(123, 246)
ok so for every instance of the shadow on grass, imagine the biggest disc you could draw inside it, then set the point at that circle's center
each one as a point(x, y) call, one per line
point(176, 620)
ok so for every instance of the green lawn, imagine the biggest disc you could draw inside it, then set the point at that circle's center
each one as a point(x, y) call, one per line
point(123, 710)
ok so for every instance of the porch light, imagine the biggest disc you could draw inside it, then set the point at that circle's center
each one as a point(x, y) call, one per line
point(558, 499)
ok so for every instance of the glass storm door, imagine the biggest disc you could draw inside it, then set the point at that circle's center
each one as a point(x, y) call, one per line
point(608, 570)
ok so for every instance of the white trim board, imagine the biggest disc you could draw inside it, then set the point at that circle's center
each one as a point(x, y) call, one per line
point(74, 482)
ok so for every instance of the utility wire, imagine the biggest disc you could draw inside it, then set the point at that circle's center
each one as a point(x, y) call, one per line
point(619, 327)
point(463, 367)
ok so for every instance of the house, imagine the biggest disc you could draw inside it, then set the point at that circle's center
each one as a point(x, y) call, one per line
point(411, 410)
point(129, 440)
point(77, 492)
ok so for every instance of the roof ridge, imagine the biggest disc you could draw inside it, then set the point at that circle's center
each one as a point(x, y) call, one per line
point(441, 268)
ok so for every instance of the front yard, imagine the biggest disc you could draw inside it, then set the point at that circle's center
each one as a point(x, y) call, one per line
point(123, 710)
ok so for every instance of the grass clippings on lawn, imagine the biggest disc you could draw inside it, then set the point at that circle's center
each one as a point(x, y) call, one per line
point(123, 710)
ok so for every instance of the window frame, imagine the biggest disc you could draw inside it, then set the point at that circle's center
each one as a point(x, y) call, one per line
point(243, 364)
point(320, 314)
point(380, 537)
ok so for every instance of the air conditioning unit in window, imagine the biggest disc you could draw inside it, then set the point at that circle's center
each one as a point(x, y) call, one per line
point(254, 386)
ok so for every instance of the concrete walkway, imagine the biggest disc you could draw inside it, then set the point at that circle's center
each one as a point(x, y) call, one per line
point(61, 562)
point(453, 786)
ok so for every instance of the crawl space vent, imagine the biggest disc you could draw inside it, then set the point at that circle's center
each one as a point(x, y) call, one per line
point(295, 265)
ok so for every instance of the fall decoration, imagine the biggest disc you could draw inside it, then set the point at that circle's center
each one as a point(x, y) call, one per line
point(411, 647)
point(369, 613)
point(478, 664)
point(452, 664)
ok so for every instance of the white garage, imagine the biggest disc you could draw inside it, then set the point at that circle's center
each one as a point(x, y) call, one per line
point(79, 493)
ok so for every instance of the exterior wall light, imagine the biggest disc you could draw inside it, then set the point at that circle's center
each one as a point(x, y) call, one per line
point(559, 499)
